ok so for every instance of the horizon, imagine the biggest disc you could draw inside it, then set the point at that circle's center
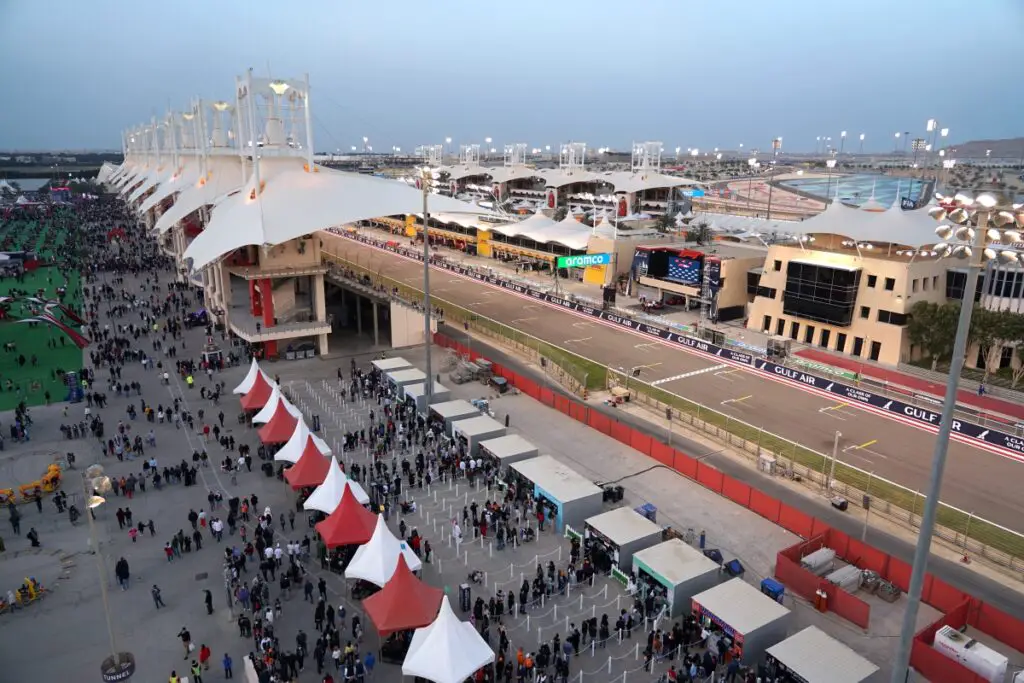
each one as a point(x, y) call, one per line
point(542, 74)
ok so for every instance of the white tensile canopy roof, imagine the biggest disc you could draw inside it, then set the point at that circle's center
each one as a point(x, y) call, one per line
point(266, 413)
point(250, 378)
point(328, 494)
point(913, 228)
point(296, 202)
point(624, 181)
point(106, 171)
point(448, 651)
point(293, 448)
point(224, 175)
point(605, 228)
point(535, 224)
point(179, 178)
point(377, 559)
point(154, 177)
point(139, 175)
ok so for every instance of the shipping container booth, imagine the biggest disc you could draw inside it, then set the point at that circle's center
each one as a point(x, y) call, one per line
point(451, 412)
point(505, 450)
point(402, 378)
point(390, 364)
point(674, 572)
point(567, 496)
point(614, 536)
point(417, 395)
point(470, 433)
point(750, 621)
point(813, 656)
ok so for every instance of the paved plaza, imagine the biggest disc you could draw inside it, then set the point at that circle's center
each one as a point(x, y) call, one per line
point(65, 635)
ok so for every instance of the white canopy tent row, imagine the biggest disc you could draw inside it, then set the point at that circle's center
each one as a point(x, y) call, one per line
point(377, 560)
point(290, 201)
point(448, 651)
point(178, 179)
point(249, 381)
point(295, 446)
point(158, 174)
point(266, 413)
point(224, 175)
point(326, 497)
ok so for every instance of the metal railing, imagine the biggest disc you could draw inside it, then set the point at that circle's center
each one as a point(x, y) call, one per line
point(875, 496)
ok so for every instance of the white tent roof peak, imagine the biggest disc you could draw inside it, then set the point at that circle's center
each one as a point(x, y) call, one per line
point(327, 496)
point(267, 411)
point(250, 378)
point(292, 201)
point(294, 447)
point(377, 560)
point(448, 650)
point(224, 175)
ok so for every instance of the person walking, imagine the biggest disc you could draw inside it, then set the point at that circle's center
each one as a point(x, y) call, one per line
point(186, 641)
point(157, 600)
point(122, 572)
point(197, 672)
point(227, 666)
point(208, 599)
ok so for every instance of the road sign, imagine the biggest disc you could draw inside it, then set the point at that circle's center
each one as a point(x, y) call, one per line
point(584, 260)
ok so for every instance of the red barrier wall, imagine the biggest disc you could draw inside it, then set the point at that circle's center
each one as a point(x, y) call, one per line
point(791, 519)
point(709, 477)
point(621, 433)
point(736, 491)
point(898, 574)
point(847, 605)
point(547, 397)
point(765, 505)
point(937, 667)
point(578, 412)
point(662, 453)
point(997, 623)
point(562, 404)
point(796, 579)
point(685, 465)
point(600, 422)
point(640, 442)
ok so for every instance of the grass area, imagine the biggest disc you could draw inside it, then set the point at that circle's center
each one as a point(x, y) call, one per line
point(956, 521)
point(25, 381)
point(595, 375)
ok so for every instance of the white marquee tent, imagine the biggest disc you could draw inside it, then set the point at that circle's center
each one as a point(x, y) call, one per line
point(377, 560)
point(295, 446)
point(327, 496)
point(250, 379)
point(447, 651)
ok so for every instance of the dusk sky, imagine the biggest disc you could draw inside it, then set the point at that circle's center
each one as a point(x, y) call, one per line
point(691, 74)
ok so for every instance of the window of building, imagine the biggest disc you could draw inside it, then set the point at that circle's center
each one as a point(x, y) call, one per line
point(778, 266)
point(825, 334)
point(891, 317)
point(820, 293)
point(865, 312)
point(872, 281)
point(780, 326)
point(924, 284)
point(858, 345)
point(913, 286)
point(809, 334)
point(935, 282)
point(956, 283)
point(767, 292)
point(766, 324)
point(876, 350)
point(794, 330)
point(841, 342)
point(890, 284)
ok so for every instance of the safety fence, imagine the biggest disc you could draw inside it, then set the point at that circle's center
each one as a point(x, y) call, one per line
point(957, 529)
point(958, 606)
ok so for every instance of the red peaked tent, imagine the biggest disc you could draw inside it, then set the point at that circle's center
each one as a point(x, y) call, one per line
point(403, 603)
point(349, 524)
point(311, 468)
point(280, 427)
point(258, 395)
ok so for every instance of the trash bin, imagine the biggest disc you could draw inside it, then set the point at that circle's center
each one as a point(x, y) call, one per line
point(465, 597)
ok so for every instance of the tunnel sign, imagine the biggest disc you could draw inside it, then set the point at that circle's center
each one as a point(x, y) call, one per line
point(584, 260)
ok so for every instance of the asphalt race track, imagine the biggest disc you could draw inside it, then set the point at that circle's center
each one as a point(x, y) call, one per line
point(977, 481)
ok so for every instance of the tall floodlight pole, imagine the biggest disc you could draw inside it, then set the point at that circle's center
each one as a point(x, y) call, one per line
point(776, 146)
point(961, 211)
point(429, 385)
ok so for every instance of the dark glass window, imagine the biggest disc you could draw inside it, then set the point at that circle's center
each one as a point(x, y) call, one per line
point(821, 293)
point(891, 317)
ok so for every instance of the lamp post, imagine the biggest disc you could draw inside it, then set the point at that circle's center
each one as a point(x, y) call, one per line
point(861, 143)
point(830, 163)
point(997, 228)
point(832, 469)
point(776, 146)
point(896, 145)
point(447, 146)
point(842, 142)
point(429, 383)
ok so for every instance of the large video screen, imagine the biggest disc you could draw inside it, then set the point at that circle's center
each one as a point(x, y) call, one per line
point(822, 293)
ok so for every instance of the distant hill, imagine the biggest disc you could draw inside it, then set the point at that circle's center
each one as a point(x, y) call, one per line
point(1010, 148)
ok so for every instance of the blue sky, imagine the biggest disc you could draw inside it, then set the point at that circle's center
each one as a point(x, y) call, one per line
point(691, 74)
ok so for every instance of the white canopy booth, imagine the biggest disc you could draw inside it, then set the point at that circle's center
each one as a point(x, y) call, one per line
point(327, 496)
point(250, 378)
point(266, 413)
point(376, 560)
point(294, 447)
point(447, 651)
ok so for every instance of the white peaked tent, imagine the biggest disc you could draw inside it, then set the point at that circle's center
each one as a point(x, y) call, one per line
point(250, 379)
point(328, 494)
point(294, 447)
point(266, 413)
point(377, 560)
point(447, 651)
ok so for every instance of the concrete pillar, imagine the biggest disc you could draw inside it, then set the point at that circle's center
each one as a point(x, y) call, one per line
point(319, 298)
point(321, 344)
point(267, 300)
point(254, 300)
point(376, 329)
